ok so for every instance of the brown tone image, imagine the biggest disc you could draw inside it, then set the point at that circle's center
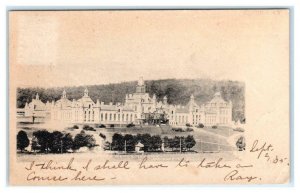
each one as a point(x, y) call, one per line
point(120, 96)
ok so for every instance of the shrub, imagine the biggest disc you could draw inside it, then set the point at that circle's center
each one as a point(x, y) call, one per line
point(102, 136)
point(201, 125)
point(214, 127)
point(88, 128)
point(85, 127)
point(189, 129)
point(188, 125)
point(112, 126)
point(75, 127)
point(240, 144)
point(177, 129)
point(130, 125)
point(102, 126)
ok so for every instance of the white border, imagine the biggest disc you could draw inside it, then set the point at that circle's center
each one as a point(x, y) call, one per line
point(4, 187)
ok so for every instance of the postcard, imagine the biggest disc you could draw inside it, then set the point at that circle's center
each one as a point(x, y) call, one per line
point(118, 97)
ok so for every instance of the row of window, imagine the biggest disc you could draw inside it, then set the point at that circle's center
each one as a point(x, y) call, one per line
point(117, 117)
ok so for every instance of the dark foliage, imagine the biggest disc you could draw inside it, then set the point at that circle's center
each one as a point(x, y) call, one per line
point(241, 144)
point(201, 125)
point(44, 140)
point(189, 129)
point(130, 142)
point(102, 136)
point(57, 143)
point(130, 125)
point(67, 142)
point(22, 140)
point(118, 142)
point(189, 142)
point(75, 127)
point(83, 140)
point(88, 128)
point(177, 129)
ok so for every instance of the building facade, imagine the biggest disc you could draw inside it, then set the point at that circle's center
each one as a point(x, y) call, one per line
point(138, 108)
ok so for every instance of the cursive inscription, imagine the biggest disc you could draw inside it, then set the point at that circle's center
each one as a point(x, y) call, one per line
point(235, 176)
point(263, 148)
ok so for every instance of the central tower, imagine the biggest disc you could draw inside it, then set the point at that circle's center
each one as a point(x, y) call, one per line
point(141, 87)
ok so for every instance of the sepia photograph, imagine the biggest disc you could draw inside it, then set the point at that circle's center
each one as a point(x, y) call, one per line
point(149, 97)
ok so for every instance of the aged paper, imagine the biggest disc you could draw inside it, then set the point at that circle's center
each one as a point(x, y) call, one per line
point(149, 97)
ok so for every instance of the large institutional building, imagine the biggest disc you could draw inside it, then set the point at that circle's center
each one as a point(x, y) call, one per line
point(137, 108)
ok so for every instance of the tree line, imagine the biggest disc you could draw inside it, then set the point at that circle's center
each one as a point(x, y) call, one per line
point(151, 143)
point(44, 141)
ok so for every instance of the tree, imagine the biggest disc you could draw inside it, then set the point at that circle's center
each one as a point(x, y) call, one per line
point(83, 140)
point(22, 140)
point(107, 145)
point(146, 140)
point(34, 144)
point(56, 145)
point(118, 142)
point(175, 143)
point(155, 142)
point(241, 144)
point(189, 142)
point(67, 142)
point(44, 139)
point(90, 141)
point(166, 140)
point(130, 142)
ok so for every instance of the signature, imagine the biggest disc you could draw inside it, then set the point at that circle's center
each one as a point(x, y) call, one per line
point(234, 175)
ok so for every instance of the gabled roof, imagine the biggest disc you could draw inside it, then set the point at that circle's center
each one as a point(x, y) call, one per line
point(86, 100)
point(64, 103)
point(37, 105)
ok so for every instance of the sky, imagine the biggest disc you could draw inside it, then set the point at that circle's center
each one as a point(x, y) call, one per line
point(70, 48)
